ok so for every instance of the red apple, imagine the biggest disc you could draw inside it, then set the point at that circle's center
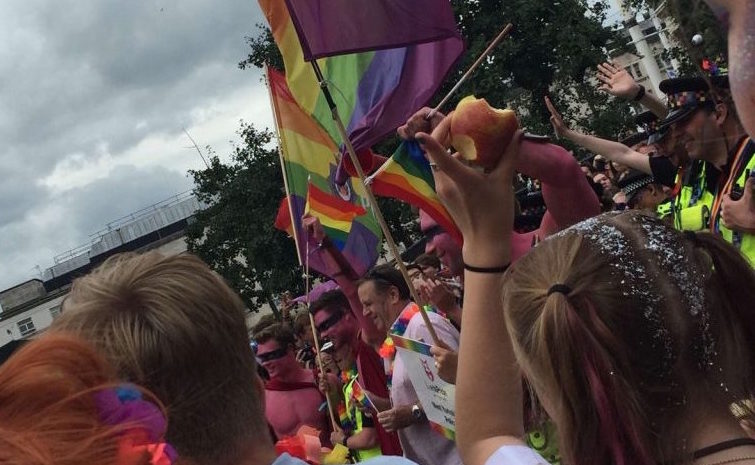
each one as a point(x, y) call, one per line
point(481, 133)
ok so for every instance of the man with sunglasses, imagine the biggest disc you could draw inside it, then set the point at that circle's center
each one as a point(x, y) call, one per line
point(704, 120)
point(334, 321)
point(292, 397)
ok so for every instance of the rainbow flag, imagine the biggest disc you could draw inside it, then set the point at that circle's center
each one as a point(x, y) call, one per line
point(375, 91)
point(343, 418)
point(336, 215)
point(309, 156)
point(406, 176)
point(358, 395)
point(283, 218)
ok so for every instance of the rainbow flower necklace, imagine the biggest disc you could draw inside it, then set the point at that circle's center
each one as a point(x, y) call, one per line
point(388, 350)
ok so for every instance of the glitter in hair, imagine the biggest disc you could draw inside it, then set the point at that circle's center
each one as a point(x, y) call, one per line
point(633, 275)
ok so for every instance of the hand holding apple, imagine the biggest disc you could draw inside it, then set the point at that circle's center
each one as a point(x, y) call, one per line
point(481, 133)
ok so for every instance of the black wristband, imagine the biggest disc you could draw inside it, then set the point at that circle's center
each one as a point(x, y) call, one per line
point(344, 441)
point(488, 270)
point(640, 94)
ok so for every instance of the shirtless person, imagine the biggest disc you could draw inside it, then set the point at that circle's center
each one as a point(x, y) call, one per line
point(292, 398)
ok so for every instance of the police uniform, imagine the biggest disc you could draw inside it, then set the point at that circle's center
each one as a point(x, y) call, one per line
point(739, 167)
point(695, 184)
point(700, 204)
point(633, 183)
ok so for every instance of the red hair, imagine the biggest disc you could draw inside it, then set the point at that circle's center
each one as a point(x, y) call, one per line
point(48, 411)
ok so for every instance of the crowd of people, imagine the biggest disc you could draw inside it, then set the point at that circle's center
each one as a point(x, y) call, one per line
point(615, 329)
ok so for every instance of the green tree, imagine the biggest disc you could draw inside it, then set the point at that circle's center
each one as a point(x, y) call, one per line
point(553, 50)
point(235, 233)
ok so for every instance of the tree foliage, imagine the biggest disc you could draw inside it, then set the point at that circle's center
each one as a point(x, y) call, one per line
point(235, 233)
point(553, 50)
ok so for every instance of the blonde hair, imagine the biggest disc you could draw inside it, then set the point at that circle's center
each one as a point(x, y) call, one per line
point(651, 329)
point(172, 325)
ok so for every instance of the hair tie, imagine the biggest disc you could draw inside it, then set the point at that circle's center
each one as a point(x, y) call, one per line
point(560, 288)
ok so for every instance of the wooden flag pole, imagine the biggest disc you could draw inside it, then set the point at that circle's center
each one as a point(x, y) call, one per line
point(373, 203)
point(283, 166)
point(333, 423)
point(506, 31)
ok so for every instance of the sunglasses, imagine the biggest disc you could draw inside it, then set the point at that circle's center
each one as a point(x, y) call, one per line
point(330, 322)
point(272, 355)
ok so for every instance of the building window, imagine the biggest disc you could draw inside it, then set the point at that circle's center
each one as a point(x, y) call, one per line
point(663, 63)
point(26, 327)
point(637, 70)
point(55, 311)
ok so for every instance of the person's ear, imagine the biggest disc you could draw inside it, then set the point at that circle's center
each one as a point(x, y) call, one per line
point(394, 294)
point(721, 113)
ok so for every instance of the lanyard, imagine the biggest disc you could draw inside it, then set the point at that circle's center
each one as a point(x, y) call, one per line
point(727, 186)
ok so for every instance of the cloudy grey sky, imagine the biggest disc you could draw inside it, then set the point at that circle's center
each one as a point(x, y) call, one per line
point(93, 98)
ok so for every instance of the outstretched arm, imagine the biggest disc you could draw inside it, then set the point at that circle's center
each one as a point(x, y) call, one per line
point(613, 151)
point(619, 83)
point(344, 275)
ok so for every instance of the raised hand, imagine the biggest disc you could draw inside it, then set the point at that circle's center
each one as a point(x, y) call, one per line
point(419, 122)
point(617, 81)
point(557, 121)
point(447, 361)
point(313, 227)
point(468, 193)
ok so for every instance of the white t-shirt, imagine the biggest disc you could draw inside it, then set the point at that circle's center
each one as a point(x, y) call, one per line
point(515, 455)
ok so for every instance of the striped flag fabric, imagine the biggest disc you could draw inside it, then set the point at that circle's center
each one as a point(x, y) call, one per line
point(337, 27)
point(335, 214)
point(309, 157)
point(357, 393)
point(406, 176)
point(283, 218)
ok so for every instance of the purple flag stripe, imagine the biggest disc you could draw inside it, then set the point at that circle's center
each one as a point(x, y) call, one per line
point(337, 27)
point(380, 79)
point(423, 72)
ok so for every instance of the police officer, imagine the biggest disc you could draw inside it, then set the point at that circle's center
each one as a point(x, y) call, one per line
point(704, 121)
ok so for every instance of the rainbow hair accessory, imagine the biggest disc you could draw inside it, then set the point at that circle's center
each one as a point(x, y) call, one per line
point(144, 421)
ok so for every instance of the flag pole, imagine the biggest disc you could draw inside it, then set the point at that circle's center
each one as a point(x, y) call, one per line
point(315, 338)
point(283, 165)
point(371, 198)
point(506, 31)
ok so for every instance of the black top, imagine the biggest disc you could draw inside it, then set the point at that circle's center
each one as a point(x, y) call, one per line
point(663, 170)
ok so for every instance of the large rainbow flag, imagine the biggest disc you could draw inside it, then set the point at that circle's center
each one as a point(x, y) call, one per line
point(310, 157)
point(406, 176)
point(375, 91)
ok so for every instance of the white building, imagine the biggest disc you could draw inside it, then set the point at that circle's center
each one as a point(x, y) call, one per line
point(648, 40)
point(30, 307)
